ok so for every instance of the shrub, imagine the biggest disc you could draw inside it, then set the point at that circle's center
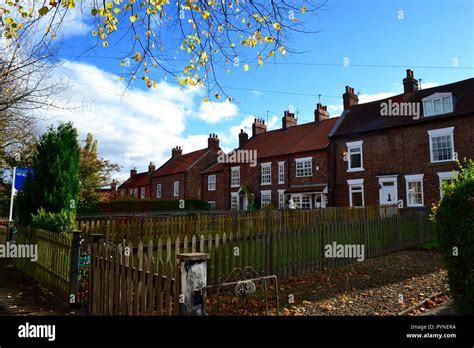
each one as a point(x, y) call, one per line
point(269, 206)
point(64, 221)
point(454, 222)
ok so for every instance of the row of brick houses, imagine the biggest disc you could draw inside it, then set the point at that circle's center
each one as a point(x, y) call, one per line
point(363, 157)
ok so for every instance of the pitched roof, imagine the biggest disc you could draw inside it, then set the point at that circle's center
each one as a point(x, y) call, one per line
point(366, 117)
point(215, 168)
point(305, 137)
point(134, 181)
point(180, 164)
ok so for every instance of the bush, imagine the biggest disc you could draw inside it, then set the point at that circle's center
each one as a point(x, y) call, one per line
point(143, 205)
point(454, 222)
point(64, 221)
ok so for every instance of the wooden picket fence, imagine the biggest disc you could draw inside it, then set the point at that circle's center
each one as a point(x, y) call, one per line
point(135, 228)
point(143, 284)
point(134, 281)
point(3, 234)
point(52, 269)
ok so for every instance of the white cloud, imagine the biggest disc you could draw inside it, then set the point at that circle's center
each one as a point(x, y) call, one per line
point(132, 128)
point(212, 112)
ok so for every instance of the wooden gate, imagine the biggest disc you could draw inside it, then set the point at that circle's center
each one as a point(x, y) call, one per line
point(128, 280)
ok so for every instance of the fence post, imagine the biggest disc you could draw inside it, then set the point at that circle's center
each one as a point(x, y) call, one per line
point(74, 269)
point(95, 240)
point(193, 279)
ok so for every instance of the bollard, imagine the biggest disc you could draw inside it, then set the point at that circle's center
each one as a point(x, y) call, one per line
point(193, 279)
point(74, 270)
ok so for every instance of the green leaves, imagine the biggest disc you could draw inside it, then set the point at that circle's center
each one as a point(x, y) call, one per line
point(43, 11)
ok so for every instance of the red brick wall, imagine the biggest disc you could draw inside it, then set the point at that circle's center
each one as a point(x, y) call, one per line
point(167, 186)
point(190, 182)
point(250, 176)
point(221, 195)
point(403, 151)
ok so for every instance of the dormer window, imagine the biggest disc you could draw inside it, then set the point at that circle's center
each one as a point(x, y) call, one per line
point(437, 104)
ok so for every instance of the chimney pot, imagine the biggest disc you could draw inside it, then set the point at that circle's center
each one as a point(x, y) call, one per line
point(243, 138)
point(288, 120)
point(320, 113)
point(410, 84)
point(349, 98)
point(176, 152)
point(258, 127)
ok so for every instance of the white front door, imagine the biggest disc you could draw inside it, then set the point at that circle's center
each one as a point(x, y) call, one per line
point(388, 190)
point(320, 200)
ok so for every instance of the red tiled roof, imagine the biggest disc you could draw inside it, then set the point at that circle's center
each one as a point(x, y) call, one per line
point(180, 164)
point(306, 137)
point(366, 117)
point(216, 167)
point(133, 181)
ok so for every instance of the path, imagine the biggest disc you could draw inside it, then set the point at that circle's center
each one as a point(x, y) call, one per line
point(19, 295)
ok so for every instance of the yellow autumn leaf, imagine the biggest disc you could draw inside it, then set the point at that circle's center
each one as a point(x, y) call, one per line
point(133, 19)
point(277, 26)
point(246, 67)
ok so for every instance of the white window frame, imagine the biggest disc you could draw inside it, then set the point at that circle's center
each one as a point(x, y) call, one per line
point(211, 204)
point(446, 176)
point(352, 183)
point(266, 176)
point(211, 183)
point(438, 96)
point(232, 196)
point(235, 181)
point(281, 199)
point(281, 172)
point(176, 189)
point(131, 192)
point(265, 193)
point(135, 192)
point(158, 190)
point(415, 178)
point(142, 193)
point(435, 133)
point(355, 145)
point(304, 160)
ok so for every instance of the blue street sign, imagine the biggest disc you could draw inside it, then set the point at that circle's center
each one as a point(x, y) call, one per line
point(20, 177)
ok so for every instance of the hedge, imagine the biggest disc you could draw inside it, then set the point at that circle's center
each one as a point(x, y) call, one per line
point(143, 205)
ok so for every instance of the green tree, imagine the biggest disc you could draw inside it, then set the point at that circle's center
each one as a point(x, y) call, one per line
point(55, 186)
point(94, 173)
point(454, 222)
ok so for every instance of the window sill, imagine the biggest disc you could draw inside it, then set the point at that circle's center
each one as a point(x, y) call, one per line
point(265, 183)
point(439, 162)
point(355, 170)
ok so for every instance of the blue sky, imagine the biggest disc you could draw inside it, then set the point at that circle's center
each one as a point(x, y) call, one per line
point(380, 39)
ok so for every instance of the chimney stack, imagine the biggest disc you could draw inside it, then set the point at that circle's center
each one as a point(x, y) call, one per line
point(113, 186)
point(349, 98)
point(213, 142)
point(151, 167)
point(258, 126)
point(321, 113)
point(176, 152)
point(133, 172)
point(243, 137)
point(288, 120)
point(410, 84)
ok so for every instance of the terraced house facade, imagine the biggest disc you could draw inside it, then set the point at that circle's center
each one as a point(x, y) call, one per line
point(394, 151)
point(382, 159)
point(290, 163)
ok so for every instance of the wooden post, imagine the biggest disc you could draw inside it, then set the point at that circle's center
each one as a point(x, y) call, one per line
point(193, 279)
point(95, 240)
point(74, 268)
